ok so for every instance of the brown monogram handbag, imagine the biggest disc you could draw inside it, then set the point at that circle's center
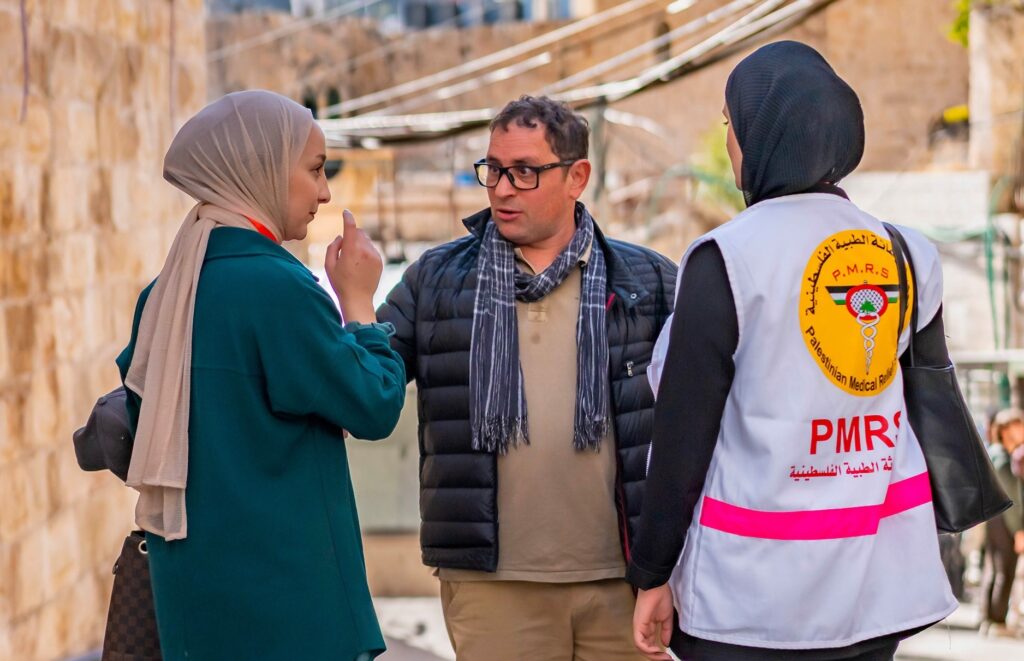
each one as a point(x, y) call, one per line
point(131, 633)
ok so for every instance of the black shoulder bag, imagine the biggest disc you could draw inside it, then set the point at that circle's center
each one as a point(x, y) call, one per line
point(965, 490)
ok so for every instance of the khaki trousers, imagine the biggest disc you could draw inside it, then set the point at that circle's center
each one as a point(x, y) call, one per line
point(526, 621)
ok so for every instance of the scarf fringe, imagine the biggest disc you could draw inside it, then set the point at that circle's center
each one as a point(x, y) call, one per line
point(589, 436)
point(500, 435)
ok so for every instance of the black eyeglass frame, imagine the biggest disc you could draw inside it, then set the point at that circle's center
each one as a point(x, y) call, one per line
point(506, 172)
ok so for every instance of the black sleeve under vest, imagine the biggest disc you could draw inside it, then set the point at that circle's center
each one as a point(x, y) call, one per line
point(695, 384)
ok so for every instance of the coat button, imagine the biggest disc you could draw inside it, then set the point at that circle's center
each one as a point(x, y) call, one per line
point(633, 296)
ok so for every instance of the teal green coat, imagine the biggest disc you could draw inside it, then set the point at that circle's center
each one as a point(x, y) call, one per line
point(272, 566)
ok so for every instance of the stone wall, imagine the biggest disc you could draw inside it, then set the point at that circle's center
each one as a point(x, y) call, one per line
point(997, 87)
point(85, 219)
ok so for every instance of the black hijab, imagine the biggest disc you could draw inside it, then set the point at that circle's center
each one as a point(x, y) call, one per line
point(799, 125)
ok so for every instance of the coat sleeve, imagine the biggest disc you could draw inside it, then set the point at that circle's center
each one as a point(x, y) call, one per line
point(314, 366)
point(399, 309)
point(133, 403)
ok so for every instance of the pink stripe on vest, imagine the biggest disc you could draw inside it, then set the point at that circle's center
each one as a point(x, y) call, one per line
point(816, 524)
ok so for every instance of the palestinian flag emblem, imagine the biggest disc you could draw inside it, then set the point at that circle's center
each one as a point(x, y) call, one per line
point(865, 301)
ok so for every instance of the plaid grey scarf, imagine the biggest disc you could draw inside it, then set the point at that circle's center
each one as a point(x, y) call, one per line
point(497, 401)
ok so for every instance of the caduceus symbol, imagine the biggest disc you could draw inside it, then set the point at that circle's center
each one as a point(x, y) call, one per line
point(867, 304)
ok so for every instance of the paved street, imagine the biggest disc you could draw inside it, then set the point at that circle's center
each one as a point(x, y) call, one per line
point(957, 639)
point(415, 631)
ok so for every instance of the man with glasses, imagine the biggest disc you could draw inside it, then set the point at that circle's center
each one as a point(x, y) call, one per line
point(529, 340)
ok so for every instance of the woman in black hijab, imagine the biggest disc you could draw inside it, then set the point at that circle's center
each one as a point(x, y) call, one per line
point(799, 126)
point(795, 127)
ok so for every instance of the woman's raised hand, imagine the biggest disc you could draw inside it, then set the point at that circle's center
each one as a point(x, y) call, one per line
point(354, 268)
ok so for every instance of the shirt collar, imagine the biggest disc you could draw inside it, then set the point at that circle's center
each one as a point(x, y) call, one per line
point(520, 259)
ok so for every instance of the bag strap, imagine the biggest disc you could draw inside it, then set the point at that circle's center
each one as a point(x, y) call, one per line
point(904, 263)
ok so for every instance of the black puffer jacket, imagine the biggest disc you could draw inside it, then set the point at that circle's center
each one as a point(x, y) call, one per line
point(432, 311)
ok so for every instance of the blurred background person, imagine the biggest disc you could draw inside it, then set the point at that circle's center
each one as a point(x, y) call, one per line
point(1004, 535)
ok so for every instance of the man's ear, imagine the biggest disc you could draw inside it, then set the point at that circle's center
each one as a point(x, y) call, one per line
point(579, 176)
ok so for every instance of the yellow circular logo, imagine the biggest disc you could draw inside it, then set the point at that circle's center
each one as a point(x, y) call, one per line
point(849, 311)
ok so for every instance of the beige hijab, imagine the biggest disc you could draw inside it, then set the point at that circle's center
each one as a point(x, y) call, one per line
point(235, 158)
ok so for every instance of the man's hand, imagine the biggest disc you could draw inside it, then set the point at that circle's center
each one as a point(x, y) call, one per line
point(1018, 542)
point(354, 267)
point(652, 622)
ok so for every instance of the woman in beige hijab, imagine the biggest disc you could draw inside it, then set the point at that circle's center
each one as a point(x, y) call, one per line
point(241, 378)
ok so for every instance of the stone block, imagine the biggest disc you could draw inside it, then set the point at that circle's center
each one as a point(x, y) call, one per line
point(81, 613)
point(99, 200)
point(21, 271)
point(72, 260)
point(31, 582)
point(70, 14)
point(10, 108)
point(8, 573)
point(23, 637)
point(9, 445)
point(94, 56)
point(19, 321)
point(36, 636)
point(5, 361)
point(10, 46)
point(64, 562)
point(74, 129)
point(153, 65)
point(125, 253)
point(36, 131)
point(131, 194)
point(117, 133)
point(25, 496)
point(154, 25)
point(43, 413)
point(68, 625)
point(44, 350)
point(66, 309)
point(190, 33)
point(123, 300)
point(189, 87)
point(104, 19)
point(95, 322)
point(72, 417)
point(126, 20)
point(31, 189)
point(11, 223)
point(21, 215)
point(12, 442)
point(62, 71)
point(154, 138)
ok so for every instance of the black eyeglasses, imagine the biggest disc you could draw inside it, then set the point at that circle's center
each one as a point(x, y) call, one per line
point(523, 177)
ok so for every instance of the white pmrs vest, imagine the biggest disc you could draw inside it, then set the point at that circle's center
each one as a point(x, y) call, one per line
point(815, 527)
